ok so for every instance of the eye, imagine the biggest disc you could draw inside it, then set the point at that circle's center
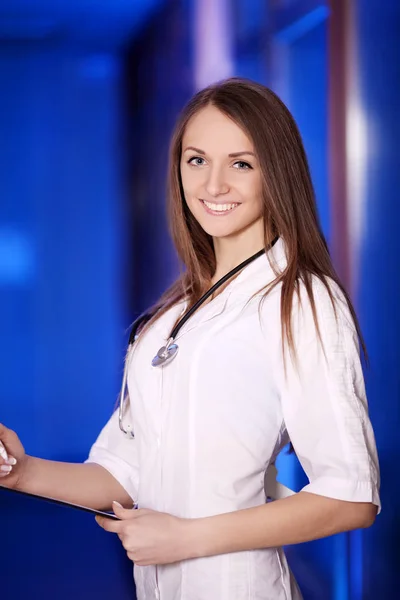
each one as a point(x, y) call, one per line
point(241, 165)
point(196, 161)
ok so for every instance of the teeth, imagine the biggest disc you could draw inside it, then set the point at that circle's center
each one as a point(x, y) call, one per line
point(219, 207)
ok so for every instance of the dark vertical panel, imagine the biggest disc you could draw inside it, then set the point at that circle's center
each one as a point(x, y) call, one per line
point(338, 32)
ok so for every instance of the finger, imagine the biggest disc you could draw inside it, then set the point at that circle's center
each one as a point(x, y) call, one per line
point(121, 536)
point(131, 556)
point(5, 470)
point(5, 434)
point(124, 513)
point(127, 545)
point(8, 437)
point(108, 524)
point(9, 461)
point(3, 452)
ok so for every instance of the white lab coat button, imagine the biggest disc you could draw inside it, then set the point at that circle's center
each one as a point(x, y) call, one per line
point(158, 442)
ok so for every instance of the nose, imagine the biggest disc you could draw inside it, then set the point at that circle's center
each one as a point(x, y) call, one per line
point(216, 183)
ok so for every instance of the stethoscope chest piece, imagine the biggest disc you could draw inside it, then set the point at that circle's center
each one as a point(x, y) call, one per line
point(165, 355)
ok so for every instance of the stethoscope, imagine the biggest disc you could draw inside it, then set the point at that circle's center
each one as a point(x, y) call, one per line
point(168, 352)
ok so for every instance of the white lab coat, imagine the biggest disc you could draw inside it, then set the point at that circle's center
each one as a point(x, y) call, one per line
point(210, 423)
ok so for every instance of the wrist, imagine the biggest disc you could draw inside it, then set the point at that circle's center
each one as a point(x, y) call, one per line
point(22, 483)
point(194, 538)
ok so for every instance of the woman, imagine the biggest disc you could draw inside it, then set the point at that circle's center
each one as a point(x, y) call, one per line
point(271, 356)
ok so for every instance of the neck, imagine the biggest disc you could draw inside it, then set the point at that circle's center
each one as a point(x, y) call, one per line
point(231, 251)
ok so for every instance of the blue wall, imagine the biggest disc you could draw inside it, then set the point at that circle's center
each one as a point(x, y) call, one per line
point(62, 329)
point(298, 72)
point(379, 294)
point(84, 103)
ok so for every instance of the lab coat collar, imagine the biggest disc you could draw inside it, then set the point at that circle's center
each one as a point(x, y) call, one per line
point(260, 273)
point(251, 279)
point(206, 312)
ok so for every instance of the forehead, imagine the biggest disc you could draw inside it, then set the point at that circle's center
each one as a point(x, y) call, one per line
point(211, 130)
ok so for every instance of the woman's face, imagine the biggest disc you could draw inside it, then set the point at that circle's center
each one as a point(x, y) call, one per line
point(221, 175)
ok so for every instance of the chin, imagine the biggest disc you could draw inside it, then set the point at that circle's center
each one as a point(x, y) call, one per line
point(219, 231)
point(223, 229)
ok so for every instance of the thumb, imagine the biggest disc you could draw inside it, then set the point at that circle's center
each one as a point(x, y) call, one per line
point(8, 436)
point(123, 513)
point(3, 430)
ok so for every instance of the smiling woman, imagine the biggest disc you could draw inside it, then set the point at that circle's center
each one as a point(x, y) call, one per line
point(273, 357)
point(220, 182)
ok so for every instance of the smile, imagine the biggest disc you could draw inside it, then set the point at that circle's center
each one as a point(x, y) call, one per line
point(219, 209)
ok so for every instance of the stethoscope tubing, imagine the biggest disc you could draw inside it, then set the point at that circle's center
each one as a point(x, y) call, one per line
point(168, 352)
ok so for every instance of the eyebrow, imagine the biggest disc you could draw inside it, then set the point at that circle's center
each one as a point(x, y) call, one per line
point(232, 155)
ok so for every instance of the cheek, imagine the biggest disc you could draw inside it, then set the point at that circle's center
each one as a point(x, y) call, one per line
point(187, 194)
point(251, 192)
point(186, 183)
point(191, 186)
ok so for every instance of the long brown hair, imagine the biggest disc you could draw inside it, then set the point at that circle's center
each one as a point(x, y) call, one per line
point(289, 207)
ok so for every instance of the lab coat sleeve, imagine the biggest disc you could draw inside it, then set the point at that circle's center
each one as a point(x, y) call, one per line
point(324, 402)
point(118, 454)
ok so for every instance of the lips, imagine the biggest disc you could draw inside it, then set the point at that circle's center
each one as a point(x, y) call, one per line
point(219, 209)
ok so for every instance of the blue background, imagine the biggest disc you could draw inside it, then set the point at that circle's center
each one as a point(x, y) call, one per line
point(89, 95)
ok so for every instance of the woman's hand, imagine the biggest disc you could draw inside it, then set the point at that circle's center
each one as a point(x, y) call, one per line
point(149, 537)
point(11, 469)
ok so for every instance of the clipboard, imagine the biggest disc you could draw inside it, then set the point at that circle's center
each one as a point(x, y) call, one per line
point(94, 511)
